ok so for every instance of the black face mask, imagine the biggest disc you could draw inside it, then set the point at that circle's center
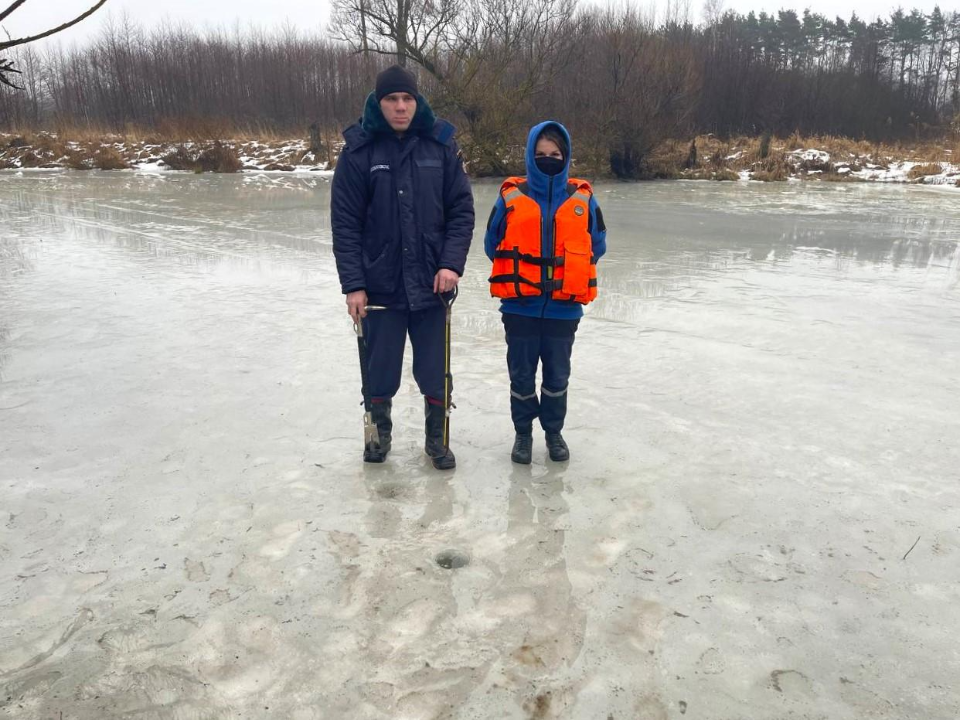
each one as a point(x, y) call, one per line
point(550, 166)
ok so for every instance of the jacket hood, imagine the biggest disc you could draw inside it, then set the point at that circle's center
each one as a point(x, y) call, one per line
point(537, 181)
point(374, 122)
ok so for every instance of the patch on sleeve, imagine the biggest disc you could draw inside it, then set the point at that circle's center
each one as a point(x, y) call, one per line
point(493, 211)
point(601, 225)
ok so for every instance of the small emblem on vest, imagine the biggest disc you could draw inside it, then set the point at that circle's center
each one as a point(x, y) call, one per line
point(578, 210)
point(377, 168)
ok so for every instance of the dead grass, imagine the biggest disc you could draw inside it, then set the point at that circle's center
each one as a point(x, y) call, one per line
point(78, 161)
point(795, 142)
point(186, 130)
point(921, 171)
point(725, 175)
point(709, 174)
point(31, 150)
point(769, 176)
point(775, 168)
point(205, 146)
point(662, 167)
point(812, 166)
point(220, 158)
point(839, 177)
point(718, 157)
point(109, 158)
point(30, 159)
point(179, 159)
point(49, 145)
point(217, 158)
point(172, 131)
point(740, 153)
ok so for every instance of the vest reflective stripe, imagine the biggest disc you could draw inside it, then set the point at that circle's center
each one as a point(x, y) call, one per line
point(519, 268)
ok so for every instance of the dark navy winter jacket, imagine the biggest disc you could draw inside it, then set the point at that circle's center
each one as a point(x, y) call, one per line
point(401, 208)
point(550, 193)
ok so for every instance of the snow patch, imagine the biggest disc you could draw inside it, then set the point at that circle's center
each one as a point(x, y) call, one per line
point(812, 155)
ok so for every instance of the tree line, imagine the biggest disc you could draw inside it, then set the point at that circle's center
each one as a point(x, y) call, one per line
point(620, 78)
point(885, 79)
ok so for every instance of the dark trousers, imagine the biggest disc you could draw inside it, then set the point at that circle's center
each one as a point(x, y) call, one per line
point(532, 342)
point(386, 334)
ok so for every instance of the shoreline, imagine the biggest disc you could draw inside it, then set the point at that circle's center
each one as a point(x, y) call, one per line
point(793, 159)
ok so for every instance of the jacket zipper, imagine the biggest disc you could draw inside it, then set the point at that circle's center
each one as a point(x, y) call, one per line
point(553, 233)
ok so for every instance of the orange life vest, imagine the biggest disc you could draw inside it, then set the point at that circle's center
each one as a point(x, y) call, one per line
point(519, 270)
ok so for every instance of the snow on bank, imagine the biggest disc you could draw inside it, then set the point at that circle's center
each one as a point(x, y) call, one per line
point(812, 163)
point(946, 174)
point(47, 152)
point(900, 172)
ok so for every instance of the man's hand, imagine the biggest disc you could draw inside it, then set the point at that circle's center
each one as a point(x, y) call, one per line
point(445, 281)
point(357, 305)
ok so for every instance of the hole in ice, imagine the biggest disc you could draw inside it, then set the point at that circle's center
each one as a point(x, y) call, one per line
point(390, 490)
point(452, 560)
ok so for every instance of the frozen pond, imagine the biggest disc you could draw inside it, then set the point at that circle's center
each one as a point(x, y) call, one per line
point(764, 420)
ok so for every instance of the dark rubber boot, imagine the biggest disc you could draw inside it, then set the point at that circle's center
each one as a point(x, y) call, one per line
point(522, 452)
point(443, 458)
point(557, 447)
point(447, 461)
point(381, 416)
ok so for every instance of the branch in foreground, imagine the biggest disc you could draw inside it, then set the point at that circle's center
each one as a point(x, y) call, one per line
point(48, 33)
point(6, 66)
point(6, 13)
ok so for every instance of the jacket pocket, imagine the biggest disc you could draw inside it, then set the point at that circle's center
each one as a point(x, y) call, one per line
point(428, 183)
point(432, 250)
point(380, 273)
point(576, 269)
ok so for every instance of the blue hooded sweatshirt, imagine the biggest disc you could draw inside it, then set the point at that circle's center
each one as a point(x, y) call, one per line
point(550, 192)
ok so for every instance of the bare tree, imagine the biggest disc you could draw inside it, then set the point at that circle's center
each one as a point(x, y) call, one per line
point(621, 79)
point(475, 52)
point(6, 65)
point(412, 29)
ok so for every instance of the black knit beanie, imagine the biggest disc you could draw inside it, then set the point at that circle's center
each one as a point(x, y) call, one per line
point(395, 79)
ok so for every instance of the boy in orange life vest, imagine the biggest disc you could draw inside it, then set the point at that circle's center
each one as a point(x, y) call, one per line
point(544, 237)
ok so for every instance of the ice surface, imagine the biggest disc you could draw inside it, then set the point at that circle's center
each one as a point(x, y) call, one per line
point(764, 420)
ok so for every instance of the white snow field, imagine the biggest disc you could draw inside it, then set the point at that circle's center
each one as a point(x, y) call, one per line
point(760, 519)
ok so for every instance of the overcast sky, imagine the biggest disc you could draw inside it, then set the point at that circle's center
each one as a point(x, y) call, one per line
point(36, 15)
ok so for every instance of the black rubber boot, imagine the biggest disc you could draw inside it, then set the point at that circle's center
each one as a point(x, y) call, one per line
point(557, 447)
point(381, 417)
point(522, 452)
point(443, 458)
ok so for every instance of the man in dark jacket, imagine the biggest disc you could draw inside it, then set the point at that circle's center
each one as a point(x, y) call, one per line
point(402, 216)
